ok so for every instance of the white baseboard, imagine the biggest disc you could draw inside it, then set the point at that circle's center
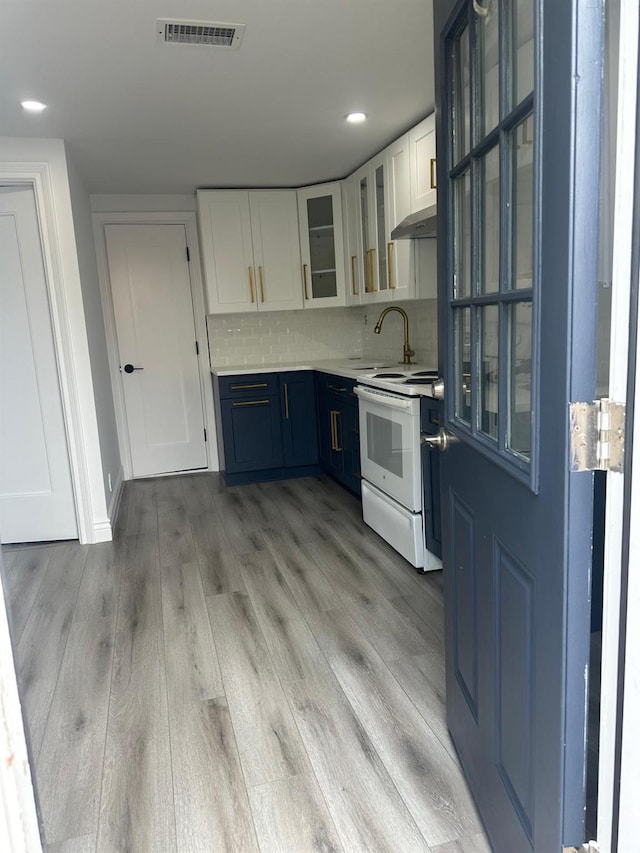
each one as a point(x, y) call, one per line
point(102, 531)
point(116, 496)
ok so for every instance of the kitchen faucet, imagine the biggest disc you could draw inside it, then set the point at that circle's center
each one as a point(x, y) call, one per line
point(407, 352)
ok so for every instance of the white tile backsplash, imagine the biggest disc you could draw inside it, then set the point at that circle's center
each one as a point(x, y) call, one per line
point(387, 346)
point(323, 333)
point(285, 336)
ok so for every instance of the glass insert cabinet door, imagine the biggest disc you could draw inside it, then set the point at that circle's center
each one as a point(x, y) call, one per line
point(373, 220)
point(322, 247)
point(491, 192)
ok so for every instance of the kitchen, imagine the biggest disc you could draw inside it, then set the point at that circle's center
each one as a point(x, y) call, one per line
point(357, 324)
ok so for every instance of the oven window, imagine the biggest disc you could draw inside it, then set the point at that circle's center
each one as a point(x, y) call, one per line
point(384, 443)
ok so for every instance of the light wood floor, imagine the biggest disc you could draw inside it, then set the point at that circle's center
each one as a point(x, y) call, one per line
point(242, 669)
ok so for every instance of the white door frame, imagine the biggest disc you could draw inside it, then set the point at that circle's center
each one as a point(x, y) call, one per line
point(37, 176)
point(188, 220)
point(615, 502)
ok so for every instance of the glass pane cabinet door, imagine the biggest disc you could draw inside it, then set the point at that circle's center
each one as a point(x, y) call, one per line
point(321, 240)
point(367, 250)
point(491, 191)
point(322, 247)
point(381, 230)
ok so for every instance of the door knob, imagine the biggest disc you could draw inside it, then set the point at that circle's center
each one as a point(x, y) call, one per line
point(438, 389)
point(129, 368)
point(442, 440)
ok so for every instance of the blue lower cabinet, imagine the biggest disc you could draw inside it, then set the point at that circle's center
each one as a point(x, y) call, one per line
point(268, 426)
point(299, 419)
point(339, 439)
point(252, 432)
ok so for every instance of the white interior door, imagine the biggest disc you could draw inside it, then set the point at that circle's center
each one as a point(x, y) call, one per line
point(151, 289)
point(36, 493)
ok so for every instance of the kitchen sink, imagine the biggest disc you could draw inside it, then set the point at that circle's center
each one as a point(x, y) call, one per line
point(373, 367)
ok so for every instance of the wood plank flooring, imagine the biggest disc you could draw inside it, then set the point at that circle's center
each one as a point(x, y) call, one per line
point(241, 669)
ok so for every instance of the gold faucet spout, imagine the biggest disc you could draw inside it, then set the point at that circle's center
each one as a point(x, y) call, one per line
point(407, 352)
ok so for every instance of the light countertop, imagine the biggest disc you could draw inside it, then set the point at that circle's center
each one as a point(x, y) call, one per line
point(348, 368)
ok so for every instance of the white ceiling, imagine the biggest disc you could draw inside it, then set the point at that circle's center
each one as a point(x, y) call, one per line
point(142, 117)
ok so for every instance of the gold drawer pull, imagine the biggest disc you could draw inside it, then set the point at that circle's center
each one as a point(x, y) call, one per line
point(286, 400)
point(334, 430)
point(354, 288)
point(261, 284)
point(390, 266)
point(333, 388)
point(253, 403)
point(433, 173)
point(251, 284)
point(370, 274)
point(243, 387)
point(304, 279)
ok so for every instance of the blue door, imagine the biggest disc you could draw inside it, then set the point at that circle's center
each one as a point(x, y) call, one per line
point(518, 105)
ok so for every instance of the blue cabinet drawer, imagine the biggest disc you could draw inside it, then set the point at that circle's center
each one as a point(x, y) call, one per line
point(252, 385)
point(330, 384)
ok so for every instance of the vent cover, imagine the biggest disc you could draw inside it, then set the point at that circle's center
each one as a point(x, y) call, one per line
point(170, 31)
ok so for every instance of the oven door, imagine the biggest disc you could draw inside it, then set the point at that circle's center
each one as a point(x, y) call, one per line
point(390, 444)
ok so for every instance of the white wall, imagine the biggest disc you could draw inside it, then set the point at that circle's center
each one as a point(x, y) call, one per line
point(158, 203)
point(46, 160)
point(103, 392)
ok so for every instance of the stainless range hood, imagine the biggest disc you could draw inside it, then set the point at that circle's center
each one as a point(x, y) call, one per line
point(422, 224)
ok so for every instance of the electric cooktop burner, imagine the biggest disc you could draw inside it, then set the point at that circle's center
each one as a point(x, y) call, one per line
point(389, 375)
point(417, 381)
point(426, 373)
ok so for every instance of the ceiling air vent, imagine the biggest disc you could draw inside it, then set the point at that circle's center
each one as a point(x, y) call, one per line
point(170, 31)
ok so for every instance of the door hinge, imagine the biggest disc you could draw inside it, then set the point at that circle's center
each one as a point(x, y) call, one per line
point(205, 434)
point(197, 348)
point(188, 254)
point(597, 436)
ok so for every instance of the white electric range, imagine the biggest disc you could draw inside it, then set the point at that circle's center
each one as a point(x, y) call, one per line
point(390, 457)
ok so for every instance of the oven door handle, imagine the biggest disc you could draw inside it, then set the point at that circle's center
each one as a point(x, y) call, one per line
point(382, 399)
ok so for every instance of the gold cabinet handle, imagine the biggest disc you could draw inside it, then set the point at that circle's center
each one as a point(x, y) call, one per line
point(252, 385)
point(433, 173)
point(390, 266)
point(354, 288)
point(286, 400)
point(333, 429)
point(261, 284)
point(369, 266)
point(253, 403)
point(335, 414)
point(304, 280)
point(335, 388)
point(251, 284)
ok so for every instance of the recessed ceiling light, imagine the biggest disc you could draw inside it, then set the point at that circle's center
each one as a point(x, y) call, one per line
point(33, 106)
point(356, 118)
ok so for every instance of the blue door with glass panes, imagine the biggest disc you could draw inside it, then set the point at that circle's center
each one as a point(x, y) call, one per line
point(518, 106)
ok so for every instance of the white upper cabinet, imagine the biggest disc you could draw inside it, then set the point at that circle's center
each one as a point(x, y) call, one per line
point(373, 229)
point(276, 249)
point(227, 251)
point(351, 226)
point(401, 263)
point(322, 245)
point(250, 250)
point(422, 157)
